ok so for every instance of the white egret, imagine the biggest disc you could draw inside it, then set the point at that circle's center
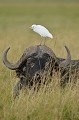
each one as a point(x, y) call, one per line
point(41, 30)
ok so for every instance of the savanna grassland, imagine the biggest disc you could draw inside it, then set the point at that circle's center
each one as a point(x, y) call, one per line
point(50, 102)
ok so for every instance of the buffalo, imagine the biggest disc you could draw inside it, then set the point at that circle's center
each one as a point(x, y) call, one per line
point(36, 62)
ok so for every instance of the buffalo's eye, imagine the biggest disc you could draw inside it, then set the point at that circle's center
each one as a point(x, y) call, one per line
point(32, 65)
point(24, 69)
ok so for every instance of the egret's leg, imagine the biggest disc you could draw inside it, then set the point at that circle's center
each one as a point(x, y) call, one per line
point(44, 40)
point(41, 41)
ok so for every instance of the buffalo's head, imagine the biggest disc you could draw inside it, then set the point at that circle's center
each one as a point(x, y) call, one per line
point(36, 60)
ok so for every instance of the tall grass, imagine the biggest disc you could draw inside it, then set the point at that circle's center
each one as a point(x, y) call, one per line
point(51, 102)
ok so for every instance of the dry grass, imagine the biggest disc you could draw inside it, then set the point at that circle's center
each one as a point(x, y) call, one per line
point(50, 102)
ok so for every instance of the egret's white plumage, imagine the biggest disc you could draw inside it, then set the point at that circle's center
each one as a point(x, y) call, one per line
point(41, 30)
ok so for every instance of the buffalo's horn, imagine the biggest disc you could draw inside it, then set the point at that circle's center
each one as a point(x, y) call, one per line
point(11, 65)
point(67, 61)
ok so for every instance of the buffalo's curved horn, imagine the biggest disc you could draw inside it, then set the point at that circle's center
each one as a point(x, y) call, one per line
point(32, 51)
point(11, 65)
point(67, 61)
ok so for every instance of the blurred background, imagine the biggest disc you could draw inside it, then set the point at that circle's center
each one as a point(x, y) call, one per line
point(60, 17)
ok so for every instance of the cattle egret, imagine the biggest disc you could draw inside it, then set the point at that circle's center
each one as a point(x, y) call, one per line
point(41, 30)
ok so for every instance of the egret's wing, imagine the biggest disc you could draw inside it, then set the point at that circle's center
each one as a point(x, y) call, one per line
point(41, 30)
point(44, 32)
